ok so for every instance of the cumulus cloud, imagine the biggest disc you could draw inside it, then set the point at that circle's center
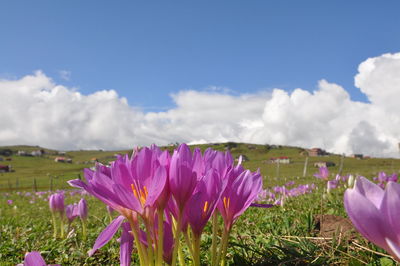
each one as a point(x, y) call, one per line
point(35, 110)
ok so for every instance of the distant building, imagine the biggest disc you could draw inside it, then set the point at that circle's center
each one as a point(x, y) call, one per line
point(63, 160)
point(22, 153)
point(316, 152)
point(323, 164)
point(5, 168)
point(358, 156)
point(37, 153)
point(60, 159)
point(282, 159)
point(6, 152)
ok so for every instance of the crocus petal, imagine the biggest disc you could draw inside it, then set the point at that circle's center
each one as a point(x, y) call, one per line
point(77, 183)
point(34, 259)
point(126, 245)
point(168, 243)
point(394, 248)
point(127, 199)
point(121, 175)
point(390, 206)
point(370, 190)
point(88, 174)
point(106, 234)
point(82, 209)
point(157, 186)
point(365, 217)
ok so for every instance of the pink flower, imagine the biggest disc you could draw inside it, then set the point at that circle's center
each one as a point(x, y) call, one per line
point(34, 259)
point(375, 213)
point(323, 173)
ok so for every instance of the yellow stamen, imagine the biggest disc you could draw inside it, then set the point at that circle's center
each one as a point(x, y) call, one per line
point(145, 191)
point(205, 206)
point(141, 195)
point(226, 202)
point(134, 191)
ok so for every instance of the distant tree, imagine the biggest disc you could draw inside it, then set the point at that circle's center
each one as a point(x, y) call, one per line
point(6, 152)
point(230, 145)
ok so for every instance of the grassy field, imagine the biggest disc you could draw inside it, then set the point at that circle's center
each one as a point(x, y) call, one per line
point(283, 235)
point(46, 171)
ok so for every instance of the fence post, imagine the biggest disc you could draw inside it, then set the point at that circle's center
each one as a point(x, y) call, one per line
point(277, 169)
point(51, 183)
point(341, 164)
point(305, 167)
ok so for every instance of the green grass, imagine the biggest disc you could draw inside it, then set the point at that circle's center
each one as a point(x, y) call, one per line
point(277, 236)
point(43, 169)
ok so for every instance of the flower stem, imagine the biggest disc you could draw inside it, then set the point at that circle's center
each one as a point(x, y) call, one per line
point(181, 257)
point(83, 230)
point(177, 237)
point(150, 252)
point(62, 228)
point(54, 225)
point(196, 250)
point(214, 238)
point(139, 246)
point(223, 247)
point(188, 242)
point(160, 240)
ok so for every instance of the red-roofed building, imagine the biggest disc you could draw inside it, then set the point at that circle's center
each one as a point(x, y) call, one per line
point(316, 152)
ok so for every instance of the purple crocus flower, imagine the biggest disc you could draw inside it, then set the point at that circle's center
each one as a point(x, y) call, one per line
point(128, 184)
point(237, 197)
point(323, 173)
point(9, 202)
point(331, 184)
point(106, 235)
point(56, 202)
point(34, 258)
point(131, 186)
point(374, 212)
point(126, 245)
point(182, 178)
point(392, 178)
point(82, 209)
point(203, 202)
point(71, 211)
point(383, 178)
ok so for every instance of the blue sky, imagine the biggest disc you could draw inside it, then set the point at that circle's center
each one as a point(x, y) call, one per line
point(147, 50)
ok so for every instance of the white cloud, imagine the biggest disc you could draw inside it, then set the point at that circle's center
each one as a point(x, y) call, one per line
point(35, 110)
point(65, 74)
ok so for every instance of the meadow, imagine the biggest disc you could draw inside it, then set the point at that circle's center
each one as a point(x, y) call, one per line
point(305, 230)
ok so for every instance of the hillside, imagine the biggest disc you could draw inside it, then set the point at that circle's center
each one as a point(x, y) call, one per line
point(47, 172)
